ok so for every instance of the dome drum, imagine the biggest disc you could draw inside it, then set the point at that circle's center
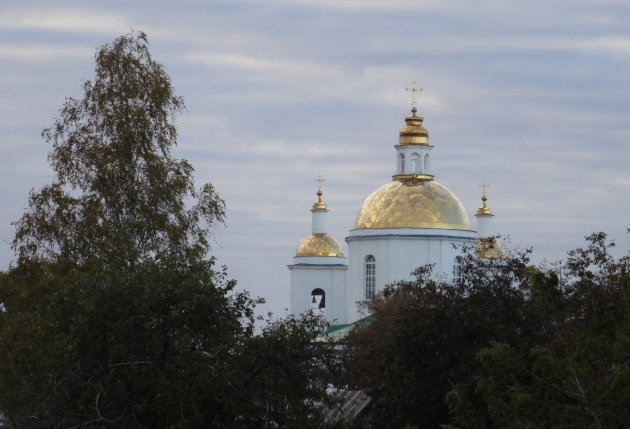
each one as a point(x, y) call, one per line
point(412, 177)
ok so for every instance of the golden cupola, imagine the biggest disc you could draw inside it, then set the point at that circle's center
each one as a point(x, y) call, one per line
point(488, 246)
point(319, 242)
point(413, 199)
point(319, 245)
point(484, 210)
point(413, 132)
point(484, 215)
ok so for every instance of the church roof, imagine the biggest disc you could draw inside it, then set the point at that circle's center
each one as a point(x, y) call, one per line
point(489, 248)
point(319, 245)
point(413, 204)
point(413, 199)
point(413, 133)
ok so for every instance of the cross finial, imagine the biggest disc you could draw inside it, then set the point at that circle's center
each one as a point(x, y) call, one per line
point(414, 89)
point(319, 179)
point(484, 210)
point(319, 205)
point(485, 186)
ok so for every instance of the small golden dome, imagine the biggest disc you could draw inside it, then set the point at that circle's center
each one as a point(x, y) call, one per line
point(413, 204)
point(489, 248)
point(319, 204)
point(319, 245)
point(484, 210)
point(413, 133)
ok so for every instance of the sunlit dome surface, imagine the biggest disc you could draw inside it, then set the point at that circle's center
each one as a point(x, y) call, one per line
point(413, 204)
point(489, 249)
point(319, 245)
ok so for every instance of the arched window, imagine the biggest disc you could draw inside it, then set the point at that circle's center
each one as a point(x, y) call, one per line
point(402, 163)
point(370, 276)
point(414, 163)
point(318, 301)
point(426, 163)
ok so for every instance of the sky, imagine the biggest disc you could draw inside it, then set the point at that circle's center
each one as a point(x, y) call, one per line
point(532, 97)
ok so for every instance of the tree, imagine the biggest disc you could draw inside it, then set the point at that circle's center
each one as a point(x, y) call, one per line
point(577, 375)
point(508, 345)
point(119, 196)
point(114, 315)
point(424, 336)
point(292, 369)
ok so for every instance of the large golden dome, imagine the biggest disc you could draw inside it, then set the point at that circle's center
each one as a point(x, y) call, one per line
point(413, 204)
point(319, 245)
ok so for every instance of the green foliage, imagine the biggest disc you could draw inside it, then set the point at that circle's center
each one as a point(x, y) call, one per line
point(508, 345)
point(119, 194)
point(425, 335)
point(576, 374)
point(107, 347)
point(293, 369)
point(114, 315)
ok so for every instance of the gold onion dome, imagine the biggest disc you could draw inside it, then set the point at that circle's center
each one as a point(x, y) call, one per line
point(489, 248)
point(319, 204)
point(413, 204)
point(413, 133)
point(413, 200)
point(484, 210)
point(319, 245)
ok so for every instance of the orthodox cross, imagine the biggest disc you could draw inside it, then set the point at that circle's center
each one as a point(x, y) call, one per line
point(484, 185)
point(413, 91)
point(319, 179)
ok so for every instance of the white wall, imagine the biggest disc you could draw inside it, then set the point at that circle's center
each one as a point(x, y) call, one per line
point(326, 273)
point(398, 252)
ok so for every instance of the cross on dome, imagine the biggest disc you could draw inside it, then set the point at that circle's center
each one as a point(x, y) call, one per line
point(485, 186)
point(319, 179)
point(319, 204)
point(484, 210)
point(414, 89)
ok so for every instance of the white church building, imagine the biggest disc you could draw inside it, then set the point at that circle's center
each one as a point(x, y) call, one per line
point(408, 222)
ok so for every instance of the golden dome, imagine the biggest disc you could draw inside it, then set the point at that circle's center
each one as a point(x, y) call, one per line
point(413, 132)
point(489, 248)
point(484, 210)
point(319, 245)
point(319, 205)
point(413, 204)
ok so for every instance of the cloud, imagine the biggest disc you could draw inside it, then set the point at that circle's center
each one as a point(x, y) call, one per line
point(284, 79)
point(44, 52)
point(304, 148)
point(74, 20)
point(622, 182)
point(528, 96)
point(258, 64)
point(367, 5)
point(614, 45)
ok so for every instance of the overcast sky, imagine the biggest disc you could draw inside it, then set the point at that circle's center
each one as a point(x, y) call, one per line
point(531, 96)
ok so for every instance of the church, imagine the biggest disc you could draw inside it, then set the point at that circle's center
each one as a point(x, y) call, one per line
point(408, 222)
